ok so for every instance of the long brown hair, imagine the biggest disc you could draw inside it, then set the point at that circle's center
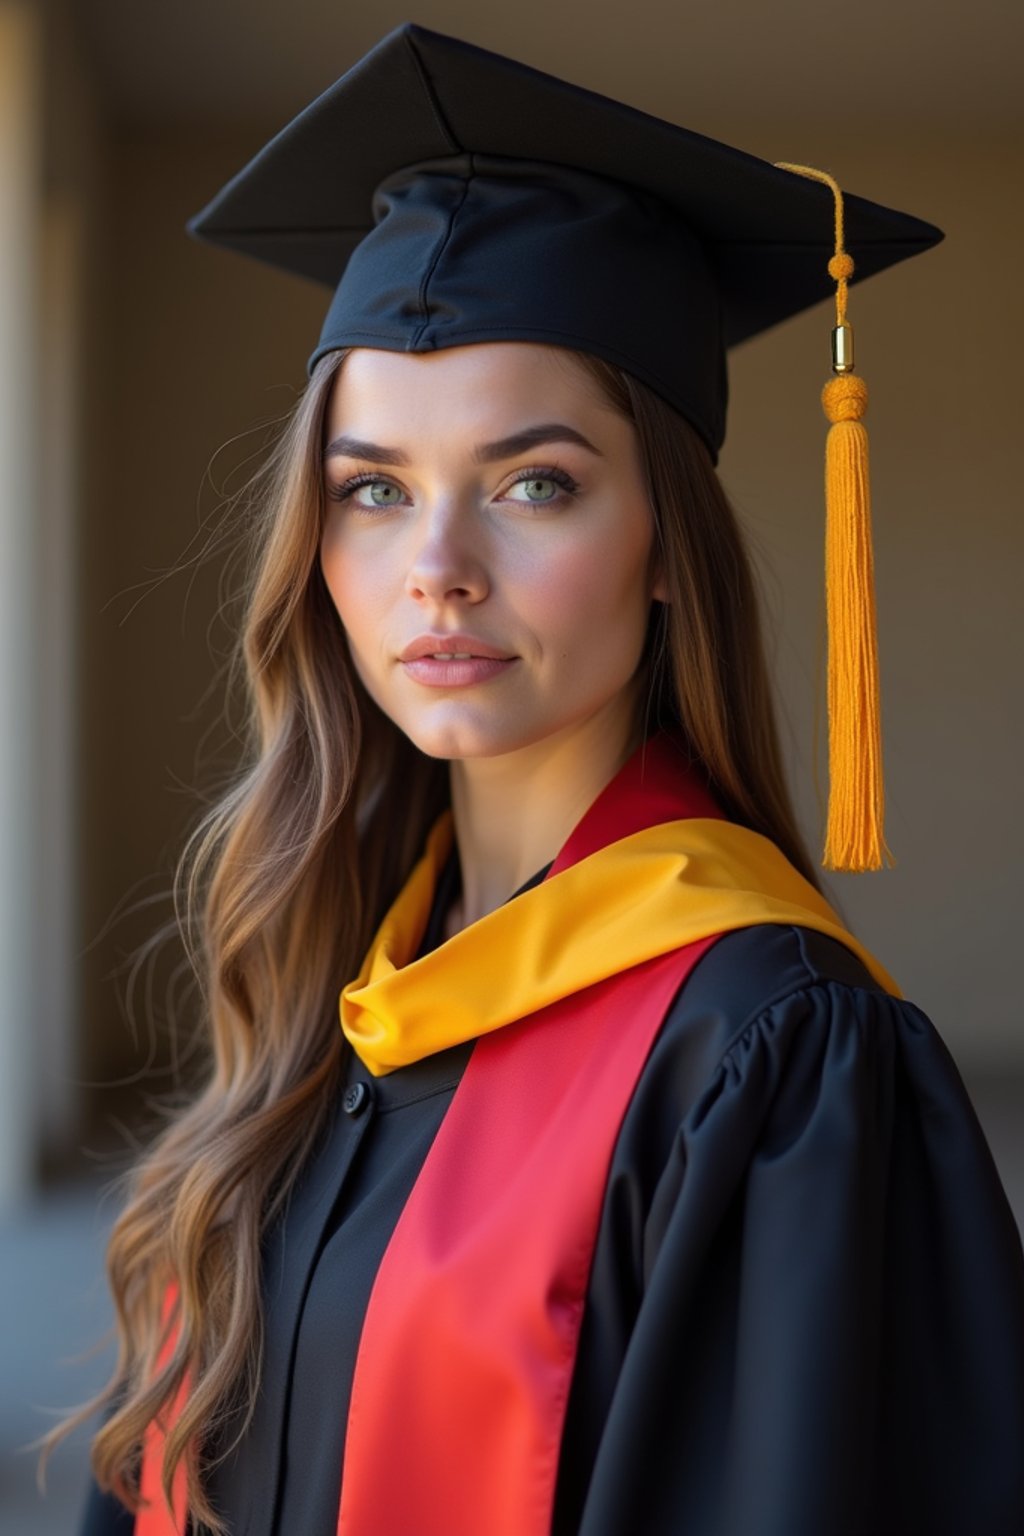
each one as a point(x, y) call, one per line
point(283, 883)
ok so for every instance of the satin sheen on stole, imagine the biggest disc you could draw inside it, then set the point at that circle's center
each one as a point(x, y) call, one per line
point(467, 1349)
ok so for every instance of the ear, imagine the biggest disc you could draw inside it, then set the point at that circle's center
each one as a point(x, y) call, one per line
point(660, 588)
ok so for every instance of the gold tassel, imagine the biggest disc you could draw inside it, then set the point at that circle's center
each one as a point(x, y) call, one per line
point(854, 839)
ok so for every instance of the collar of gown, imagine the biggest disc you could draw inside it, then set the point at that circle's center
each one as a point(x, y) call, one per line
point(653, 864)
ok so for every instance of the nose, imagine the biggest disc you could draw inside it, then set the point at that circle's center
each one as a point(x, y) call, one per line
point(445, 564)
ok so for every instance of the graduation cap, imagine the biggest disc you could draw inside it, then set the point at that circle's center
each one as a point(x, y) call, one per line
point(447, 195)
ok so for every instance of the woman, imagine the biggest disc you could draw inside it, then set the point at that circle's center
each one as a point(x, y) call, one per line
point(630, 1196)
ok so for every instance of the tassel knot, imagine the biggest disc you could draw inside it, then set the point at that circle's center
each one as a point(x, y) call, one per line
point(845, 398)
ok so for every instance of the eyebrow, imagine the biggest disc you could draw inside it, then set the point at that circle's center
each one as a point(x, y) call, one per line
point(484, 453)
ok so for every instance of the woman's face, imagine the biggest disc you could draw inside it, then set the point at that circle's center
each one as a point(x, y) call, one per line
point(486, 498)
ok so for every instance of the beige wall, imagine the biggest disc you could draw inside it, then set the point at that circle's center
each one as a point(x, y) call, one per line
point(200, 347)
point(197, 351)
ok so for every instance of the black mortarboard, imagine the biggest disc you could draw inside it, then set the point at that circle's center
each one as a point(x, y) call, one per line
point(448, 195)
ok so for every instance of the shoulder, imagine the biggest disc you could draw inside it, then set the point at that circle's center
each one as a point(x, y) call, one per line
point(757, 971)
point(749, 969)
point(781, 1052)
point(761, 1000)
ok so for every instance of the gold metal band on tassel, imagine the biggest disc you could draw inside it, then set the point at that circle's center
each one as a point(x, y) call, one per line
point(842, 348)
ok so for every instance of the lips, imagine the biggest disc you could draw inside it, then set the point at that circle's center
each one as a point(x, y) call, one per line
point(453, 647)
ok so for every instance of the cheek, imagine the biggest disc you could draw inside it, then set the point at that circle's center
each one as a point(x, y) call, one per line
point(355, 587)
point(592, 599)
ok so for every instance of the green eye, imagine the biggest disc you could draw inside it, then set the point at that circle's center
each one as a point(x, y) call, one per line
point(347, 491)
point(557, 482)
point(535, 488)
point(382, 485)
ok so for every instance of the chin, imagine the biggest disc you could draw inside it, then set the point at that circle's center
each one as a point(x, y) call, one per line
point(464, 739)
point(454, 731)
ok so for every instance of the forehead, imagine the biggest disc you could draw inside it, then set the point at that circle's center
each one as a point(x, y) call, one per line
point(473, 385)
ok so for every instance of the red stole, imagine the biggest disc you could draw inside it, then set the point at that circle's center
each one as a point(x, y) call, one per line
point(468, 1346)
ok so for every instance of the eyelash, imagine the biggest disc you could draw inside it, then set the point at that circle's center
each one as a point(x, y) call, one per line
point(570, 487)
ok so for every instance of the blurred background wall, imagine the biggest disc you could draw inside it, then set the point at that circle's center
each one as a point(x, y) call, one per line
point(140, 372)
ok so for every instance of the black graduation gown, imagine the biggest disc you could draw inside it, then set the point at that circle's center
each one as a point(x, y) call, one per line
point(805, 1315)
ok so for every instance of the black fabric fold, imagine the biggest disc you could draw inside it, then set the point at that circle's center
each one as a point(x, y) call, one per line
point(805, 1311)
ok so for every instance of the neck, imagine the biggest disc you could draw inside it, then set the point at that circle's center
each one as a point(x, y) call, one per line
point(512, 813)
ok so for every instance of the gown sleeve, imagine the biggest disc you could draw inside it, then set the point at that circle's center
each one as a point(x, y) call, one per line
point(830, 1340)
